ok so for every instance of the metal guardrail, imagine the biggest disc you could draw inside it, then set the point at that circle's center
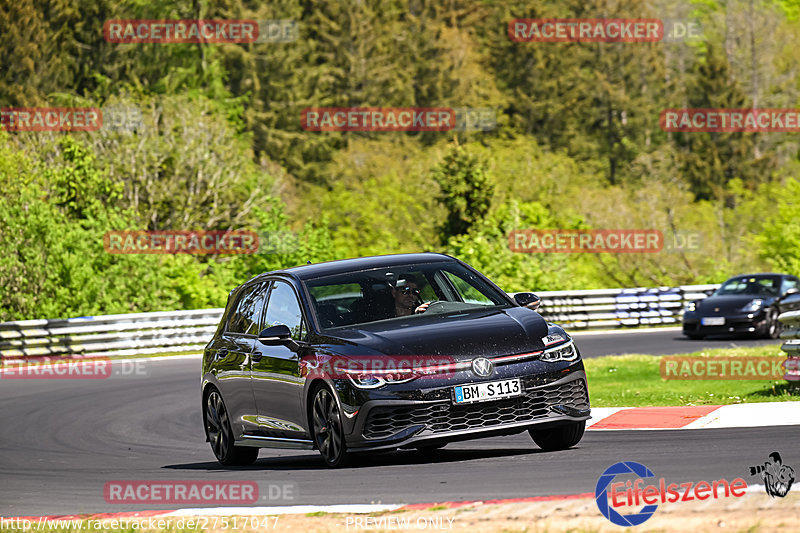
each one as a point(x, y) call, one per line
point(791, 344)
point(109, 335)
point(610, 308)
point(189, 331)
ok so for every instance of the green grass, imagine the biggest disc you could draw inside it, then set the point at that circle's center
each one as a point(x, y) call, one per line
point(635, 381)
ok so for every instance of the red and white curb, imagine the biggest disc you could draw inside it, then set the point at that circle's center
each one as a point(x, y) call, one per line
point(696, 417)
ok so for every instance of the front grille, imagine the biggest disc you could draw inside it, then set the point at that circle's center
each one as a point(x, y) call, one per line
point(383, 422)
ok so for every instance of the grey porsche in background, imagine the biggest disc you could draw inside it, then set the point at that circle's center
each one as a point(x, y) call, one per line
point(747, 304)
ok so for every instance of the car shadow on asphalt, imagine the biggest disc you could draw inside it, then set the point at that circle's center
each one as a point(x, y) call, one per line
point(718, 338)
point(365, 460)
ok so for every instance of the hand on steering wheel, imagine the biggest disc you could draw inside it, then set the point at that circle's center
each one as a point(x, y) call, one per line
point(424, 307)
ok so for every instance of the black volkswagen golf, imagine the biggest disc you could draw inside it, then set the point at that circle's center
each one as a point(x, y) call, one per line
point(381, 353)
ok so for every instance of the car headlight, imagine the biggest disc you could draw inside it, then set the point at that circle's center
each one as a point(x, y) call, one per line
point(690, 307)
point(374, 380)
point(754, 305)
point(565, 352)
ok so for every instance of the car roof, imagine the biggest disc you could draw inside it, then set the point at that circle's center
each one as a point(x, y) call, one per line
point(762, 274)
point(341, 266)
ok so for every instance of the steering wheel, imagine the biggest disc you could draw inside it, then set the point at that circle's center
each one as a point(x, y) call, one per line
point(439, 303)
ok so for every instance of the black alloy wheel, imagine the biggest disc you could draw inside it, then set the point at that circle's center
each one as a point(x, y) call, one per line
point(772, 326)
point(220, 435)
point(326, 420)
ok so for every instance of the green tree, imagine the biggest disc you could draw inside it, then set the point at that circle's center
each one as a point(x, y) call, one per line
point(466, 190)
point(779, 243)
point(710, 160)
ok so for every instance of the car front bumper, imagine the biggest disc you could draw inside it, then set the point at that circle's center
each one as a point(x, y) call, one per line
point(741, 323)
point(389, 423)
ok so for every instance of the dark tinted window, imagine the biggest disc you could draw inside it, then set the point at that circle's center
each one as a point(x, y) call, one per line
point(365, 296)
point(283, 308)
point(751, 285)
point(467, 291)
point(247, 315)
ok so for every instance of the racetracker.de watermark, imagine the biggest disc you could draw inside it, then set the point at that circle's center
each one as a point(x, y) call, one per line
point(682, 30)
point(380, 369)
point(680, 367)
point(730, 120)
point(111, 118)
point(149, 492)
point(181, 242)
point(378, 119)
point(586, 30)
point(586, 241)
point(51, 118)
point(94, 368)
point(680, 241)
point(200, 31)
point(123, 118)
point(475, 119)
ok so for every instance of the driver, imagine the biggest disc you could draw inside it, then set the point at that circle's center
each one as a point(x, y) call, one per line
point(406, 297)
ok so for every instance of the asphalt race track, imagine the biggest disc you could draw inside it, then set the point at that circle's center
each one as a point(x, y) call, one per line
point(63, 439)
point(661, 341)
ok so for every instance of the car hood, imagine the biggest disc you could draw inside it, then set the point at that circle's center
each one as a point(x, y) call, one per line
point(729, 303)
point(462, 335)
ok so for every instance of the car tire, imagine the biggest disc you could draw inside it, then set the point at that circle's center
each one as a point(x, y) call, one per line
point(772, 326)
point(220, 434)
point(327, 429)
point(696, 336)
point(559, 437)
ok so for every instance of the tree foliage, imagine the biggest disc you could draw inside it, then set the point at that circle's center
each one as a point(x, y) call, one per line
point(577, 145)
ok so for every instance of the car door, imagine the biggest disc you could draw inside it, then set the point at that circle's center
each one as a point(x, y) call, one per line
point(232, 357)
point(275, 370)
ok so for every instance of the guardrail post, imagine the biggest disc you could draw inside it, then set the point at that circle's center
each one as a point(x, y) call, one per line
point(791, 345)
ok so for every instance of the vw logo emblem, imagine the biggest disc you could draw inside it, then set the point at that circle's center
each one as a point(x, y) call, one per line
point(482, 367)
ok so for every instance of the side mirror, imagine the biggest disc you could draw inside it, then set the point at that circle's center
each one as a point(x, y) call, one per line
point(789, 292)
point(275, 335)
point(527, 299)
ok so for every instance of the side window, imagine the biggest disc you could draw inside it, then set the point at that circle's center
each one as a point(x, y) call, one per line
point(788, 283)
point(336, 298)
point(283, 308)
point(767, 286)
point(468, 293)
point(247, 315)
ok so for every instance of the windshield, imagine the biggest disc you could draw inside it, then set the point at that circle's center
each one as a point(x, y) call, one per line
point(752, 285)
point(395, 293)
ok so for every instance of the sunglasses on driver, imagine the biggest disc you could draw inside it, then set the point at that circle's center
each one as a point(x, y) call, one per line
point(409, 290)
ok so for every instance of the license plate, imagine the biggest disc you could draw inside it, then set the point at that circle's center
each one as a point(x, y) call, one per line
point(481, 392)
point(713, 321)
